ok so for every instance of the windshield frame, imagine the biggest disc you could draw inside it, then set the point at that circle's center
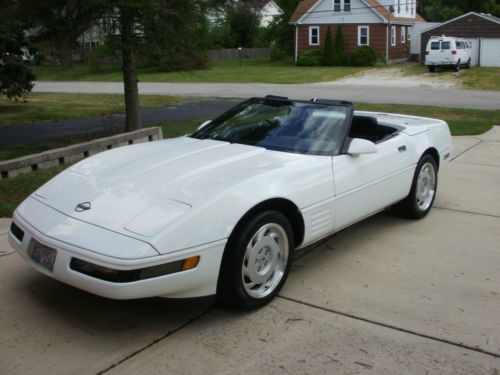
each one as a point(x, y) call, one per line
point(349, 111)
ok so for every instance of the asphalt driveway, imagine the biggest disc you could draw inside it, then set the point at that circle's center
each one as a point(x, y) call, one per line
point(384, 296)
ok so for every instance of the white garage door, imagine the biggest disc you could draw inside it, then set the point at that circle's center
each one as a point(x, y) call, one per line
point(474, 56)
point(490, 52)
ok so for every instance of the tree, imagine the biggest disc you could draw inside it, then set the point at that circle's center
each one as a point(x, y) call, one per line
point(329, 53)
point(340, 52)
point(444, 10)
point(281, 33)
point(243, 24)
point(15, 76)
point(61, 22)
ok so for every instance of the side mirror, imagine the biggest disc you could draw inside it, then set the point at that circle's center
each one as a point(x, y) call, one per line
point(361, 146)
point(204, 124)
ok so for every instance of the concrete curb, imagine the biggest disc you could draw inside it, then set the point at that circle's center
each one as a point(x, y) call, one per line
point(73, 153)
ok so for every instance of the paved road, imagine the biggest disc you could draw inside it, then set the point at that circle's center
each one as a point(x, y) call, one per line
point(385, 296)
point(372, 94)
point(39, 132)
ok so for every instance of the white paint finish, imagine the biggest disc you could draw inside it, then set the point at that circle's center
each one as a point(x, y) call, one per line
point(474, 51)
point(450, 55)
point(269, 12)
point(490, 52)
point(208, 186)
point(416, 31)
point(323, 13)
point(367, 183)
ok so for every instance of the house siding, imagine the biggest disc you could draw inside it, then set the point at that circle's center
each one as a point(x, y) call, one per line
point(378, 35)
point(323, 13)
point(471, 26)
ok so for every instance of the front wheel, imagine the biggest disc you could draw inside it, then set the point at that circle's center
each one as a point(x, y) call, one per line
point(457, 67)
point(423, 190)
point(256, 262)
point(431, 68)
point(467, 66)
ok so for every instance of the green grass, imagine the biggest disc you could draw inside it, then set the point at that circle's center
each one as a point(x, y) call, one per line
point(14, 190)
point(45, 107)
point(473, 78)
point(462, 121)
point(229, 71)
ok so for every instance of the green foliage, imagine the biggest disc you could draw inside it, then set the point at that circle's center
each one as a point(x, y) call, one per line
point(329, 52)
point(15, 76)
point(313, 57)
point(444, 10)
point(243, 24)
point(363, 56)
point(340, 51)
point(278, 54)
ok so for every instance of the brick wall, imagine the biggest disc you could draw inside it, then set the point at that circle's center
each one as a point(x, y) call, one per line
point(377, 39)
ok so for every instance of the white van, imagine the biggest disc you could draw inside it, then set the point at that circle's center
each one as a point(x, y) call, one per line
point(444, 51)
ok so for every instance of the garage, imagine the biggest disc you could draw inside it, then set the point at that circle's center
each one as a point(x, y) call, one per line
point(482, 30)
point(490, 52)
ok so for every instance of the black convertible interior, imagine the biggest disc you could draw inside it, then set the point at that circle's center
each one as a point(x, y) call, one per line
point(368, 128)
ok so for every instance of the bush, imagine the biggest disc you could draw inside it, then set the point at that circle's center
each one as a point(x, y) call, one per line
point(312, 57)
point(363, 56)
point(329, 54)
point(340, 52)
point(279, 54)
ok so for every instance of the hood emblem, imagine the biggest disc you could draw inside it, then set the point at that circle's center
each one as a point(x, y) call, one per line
point(80, 207)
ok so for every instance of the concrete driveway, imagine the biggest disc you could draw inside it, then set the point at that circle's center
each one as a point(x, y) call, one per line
point(382, 297)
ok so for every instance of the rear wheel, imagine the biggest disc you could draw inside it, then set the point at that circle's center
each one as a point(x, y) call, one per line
point(457, 66)
point(423, 191)
point(432, 69)
point(467, 66)
point(256, 261)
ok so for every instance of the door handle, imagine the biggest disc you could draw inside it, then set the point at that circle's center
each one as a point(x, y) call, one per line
point(402, 148)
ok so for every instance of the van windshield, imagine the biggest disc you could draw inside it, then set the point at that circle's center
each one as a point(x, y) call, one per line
point(434, 46)
point(445, 45)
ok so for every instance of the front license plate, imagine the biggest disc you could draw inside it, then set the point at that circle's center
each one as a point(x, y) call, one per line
point(43, 255)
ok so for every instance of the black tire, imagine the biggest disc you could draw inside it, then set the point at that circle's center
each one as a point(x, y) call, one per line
point(409, 207)
point(457, 67)
point(432, 69)
point(231, 291)
point(467, 66)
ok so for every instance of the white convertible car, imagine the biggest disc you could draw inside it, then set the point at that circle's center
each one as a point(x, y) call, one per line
point(220, 211)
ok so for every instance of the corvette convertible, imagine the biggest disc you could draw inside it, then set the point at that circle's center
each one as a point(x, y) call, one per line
point(219, 212)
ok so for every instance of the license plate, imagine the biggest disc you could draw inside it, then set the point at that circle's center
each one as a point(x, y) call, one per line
point(42, 255)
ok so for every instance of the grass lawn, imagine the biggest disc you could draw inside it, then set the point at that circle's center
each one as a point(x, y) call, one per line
point(473, 78)
point(229, 71)
point(45, 107)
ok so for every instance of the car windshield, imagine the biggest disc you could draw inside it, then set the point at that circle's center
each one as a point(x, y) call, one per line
point(282, 125)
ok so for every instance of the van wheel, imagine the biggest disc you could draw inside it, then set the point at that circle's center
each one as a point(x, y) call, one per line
point(467, 66)
point(457, 67)
point(431, 69)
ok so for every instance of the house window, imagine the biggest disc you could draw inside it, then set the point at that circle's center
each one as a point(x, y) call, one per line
point(399, 6)
point(363, 35)
point(409, 35)
point(336, 5)
point(314, 35)
point(341, 5)
point(347, 5)
point(403, 34)
point(393, 36)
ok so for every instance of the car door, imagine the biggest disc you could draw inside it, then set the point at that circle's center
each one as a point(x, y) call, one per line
point(365, 184)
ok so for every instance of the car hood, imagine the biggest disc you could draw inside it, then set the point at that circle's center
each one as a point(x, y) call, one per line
point(139, 190)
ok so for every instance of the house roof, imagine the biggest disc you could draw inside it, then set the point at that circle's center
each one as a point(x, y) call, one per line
point(488, 17)
point(306, 5)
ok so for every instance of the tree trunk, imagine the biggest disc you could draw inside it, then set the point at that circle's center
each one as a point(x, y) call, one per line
point(132, 120)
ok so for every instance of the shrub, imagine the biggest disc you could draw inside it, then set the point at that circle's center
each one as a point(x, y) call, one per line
point(279, 54)
point(329, 54)
point(340, 52)
point(363, 56)
point(312, 57)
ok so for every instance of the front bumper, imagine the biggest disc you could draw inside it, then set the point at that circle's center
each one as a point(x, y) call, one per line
point(197, 282)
